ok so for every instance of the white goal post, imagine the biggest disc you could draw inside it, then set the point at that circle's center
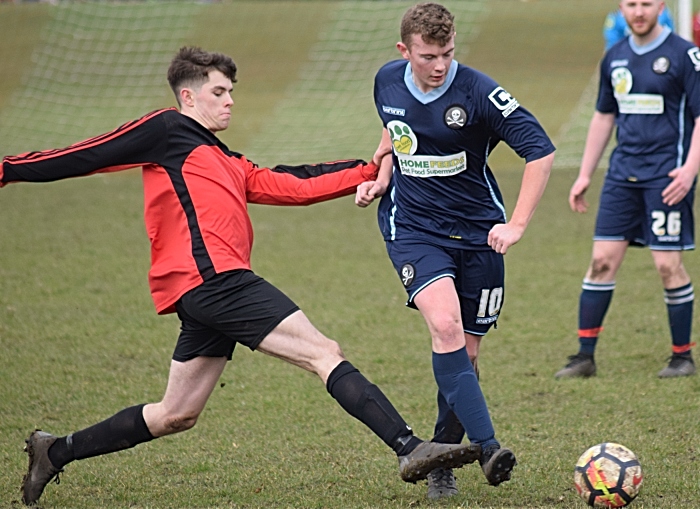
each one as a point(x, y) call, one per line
point(684, 18)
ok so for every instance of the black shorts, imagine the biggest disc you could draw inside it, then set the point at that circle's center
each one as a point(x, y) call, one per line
point(232, 307)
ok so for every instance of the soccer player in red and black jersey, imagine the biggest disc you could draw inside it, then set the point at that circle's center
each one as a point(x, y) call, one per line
point(196, 194)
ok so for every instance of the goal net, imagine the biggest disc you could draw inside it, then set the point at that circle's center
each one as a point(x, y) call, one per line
point(97, 64)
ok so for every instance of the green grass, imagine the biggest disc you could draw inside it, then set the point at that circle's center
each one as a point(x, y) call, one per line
point(79, 339)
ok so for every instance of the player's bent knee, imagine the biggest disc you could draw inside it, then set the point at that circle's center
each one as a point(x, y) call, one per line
point(177, 423)
point(446, 328)
point(670, 270)
point(599, 267)
point(331, 349)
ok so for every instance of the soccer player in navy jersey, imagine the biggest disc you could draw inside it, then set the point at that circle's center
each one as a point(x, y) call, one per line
point(195, 192)
point(649, 90)
point(443, 218)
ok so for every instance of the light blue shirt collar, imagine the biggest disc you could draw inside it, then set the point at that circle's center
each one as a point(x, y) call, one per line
point(642, 50)
point(435, 93)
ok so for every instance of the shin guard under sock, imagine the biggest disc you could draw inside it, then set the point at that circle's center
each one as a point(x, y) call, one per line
point(123, 430)
point(366, 402)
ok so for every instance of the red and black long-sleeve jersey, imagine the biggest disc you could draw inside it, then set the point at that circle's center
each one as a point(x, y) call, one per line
point(195, 192)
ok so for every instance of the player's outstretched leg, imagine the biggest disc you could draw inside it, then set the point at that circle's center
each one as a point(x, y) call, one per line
point(367, 403)
point(41, 471)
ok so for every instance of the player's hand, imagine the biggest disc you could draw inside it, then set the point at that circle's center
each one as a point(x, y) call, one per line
point(681, 183)
point(502, 236)
point(577, 199)
point(368, 191)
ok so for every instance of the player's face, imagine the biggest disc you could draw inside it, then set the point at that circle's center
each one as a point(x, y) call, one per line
point(430, 62)
point(641, 15)
point(211, 104)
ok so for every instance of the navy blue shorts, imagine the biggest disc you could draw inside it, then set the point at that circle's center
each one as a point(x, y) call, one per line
point(232, 307)
point(640, 217)
point(478, 277)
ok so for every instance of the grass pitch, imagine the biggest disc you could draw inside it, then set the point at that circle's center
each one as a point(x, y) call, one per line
point(79, 339)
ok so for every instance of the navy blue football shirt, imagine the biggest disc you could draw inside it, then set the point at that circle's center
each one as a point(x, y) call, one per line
point(442, 188)
point(654, 92)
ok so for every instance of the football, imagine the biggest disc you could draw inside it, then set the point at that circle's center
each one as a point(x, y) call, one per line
point(608, 475)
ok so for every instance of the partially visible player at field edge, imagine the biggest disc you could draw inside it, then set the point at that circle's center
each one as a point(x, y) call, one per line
point(615, 27)
point(443, 218)
point(195, 193)
point(649, 90)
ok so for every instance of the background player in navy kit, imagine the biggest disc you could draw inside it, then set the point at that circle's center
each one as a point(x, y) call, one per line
point(650, 90)
point(196, 192)
point(442, 214)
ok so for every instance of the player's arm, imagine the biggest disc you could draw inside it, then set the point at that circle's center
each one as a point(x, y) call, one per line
point(130, 145)
point(306, 184)
point(368, 191)
point(682, 178)
point(312, 183)
point(599, 132)
point(535, 178)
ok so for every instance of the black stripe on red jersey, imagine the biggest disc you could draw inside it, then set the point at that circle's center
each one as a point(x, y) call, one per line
point(130, 145)
point(47, 154)
point(306, 171)
point(201, 256)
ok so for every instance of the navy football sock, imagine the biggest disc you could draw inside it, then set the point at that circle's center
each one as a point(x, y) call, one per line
point(679, 303)
point(458, 384)
point(593, 305)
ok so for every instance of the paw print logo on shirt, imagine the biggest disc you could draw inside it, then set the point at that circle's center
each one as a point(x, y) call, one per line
point(403, 138)
point(621, 79)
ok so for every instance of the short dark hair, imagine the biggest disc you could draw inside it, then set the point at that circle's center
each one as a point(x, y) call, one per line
point(192, 65)
point(432, 21)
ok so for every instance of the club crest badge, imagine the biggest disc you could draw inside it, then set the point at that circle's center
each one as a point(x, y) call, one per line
point(455, 117)
point(661, 65)
point(408, 273)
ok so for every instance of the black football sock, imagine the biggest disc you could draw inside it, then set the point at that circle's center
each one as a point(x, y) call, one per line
point(367, 403)
point(123, 430)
